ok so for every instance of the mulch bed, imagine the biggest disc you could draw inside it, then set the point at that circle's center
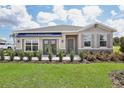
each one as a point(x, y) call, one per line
point(48, 62)
point(117, 78)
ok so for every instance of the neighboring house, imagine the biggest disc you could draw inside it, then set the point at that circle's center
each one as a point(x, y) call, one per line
point(2, 43)
point(1, 40)
point(96, 36)
point(5, 45)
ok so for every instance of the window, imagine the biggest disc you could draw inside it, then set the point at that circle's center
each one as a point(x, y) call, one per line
point(2, 43)
point(31, 45)
point(53, 46)
point(87, 40)
point(49, 44)
point(34, 45)
point(103, 40)
point(28, 45)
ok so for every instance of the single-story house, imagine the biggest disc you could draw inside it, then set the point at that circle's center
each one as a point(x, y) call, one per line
point(2, 43)
point(1, 40)
point(95, 36)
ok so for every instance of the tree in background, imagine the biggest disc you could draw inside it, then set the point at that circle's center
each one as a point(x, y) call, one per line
point(122, 44)
point(116, 41)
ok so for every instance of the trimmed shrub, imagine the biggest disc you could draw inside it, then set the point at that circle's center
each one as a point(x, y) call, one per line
point(39, 55)
point(12, 54)
point(121, 57)
point(21, 54)
point(9, 52)
point(91, 57)
point(6, 53)
point(35, 54)
point(113, 57)
point(81, 55)
point(72, 54)
point(29, 55)
point(61, 55)
point(102, 56)
point(1, 55)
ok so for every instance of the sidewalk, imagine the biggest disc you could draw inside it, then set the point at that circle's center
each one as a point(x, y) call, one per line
point(57, 58)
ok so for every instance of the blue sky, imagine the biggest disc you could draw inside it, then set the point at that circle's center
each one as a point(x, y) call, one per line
point(22, 17)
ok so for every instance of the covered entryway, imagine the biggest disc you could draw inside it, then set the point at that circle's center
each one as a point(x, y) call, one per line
point(71, 43)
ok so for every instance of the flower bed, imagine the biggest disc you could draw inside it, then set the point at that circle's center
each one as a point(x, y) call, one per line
point(83, 57)
point(117, 78)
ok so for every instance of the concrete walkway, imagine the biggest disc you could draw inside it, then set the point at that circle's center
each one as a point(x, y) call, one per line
point(45, 58)
point(57, 58)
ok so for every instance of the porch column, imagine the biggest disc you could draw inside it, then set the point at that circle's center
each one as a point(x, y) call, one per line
point(95, 41)
point(79, 41)
point(63, 42)
point(22, 45)
point(109, 40)
point(40, 44)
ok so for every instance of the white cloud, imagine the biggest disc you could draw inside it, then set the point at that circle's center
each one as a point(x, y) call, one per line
point(58, 13)
point(27, 25)
point(7, 17)
point(87, 15)
point(92, 11)
point(113, 13)
point(59, 10)
point(79, 17)
point(118, 24)
point(118, 15)
point(121, 7)
point(52, 24)
point(76, 17)
point(17, 17)
point(45, 17)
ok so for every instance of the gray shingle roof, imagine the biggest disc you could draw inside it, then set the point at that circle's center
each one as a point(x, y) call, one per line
point(55, 28)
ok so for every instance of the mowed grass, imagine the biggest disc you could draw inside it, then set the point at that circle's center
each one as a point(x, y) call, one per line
point(57, 75)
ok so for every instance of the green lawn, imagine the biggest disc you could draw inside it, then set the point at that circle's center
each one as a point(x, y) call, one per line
point(57, 75)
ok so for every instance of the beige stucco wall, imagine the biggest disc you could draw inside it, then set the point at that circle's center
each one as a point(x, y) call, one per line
point(18, 44)
point(61, 41)
point(60, 44)
point(95, 32)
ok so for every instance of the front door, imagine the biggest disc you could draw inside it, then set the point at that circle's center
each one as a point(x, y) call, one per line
point(49, 44)
point(70, 44)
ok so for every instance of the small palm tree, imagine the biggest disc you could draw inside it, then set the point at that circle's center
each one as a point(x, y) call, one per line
point(72, 53)
point(9, 52)
point(21, 54)
point(81, 54)
point(61, 55)
point(30, 55)
point(39, 55)
point(50, 54)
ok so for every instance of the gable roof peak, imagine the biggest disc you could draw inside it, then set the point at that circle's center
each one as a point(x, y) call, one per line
point(95, 24)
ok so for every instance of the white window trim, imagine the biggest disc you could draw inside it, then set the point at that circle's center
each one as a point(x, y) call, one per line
point(103, 47)
point(31, 44)
point(74, 41)
point(57, 40)
point(86, 47)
